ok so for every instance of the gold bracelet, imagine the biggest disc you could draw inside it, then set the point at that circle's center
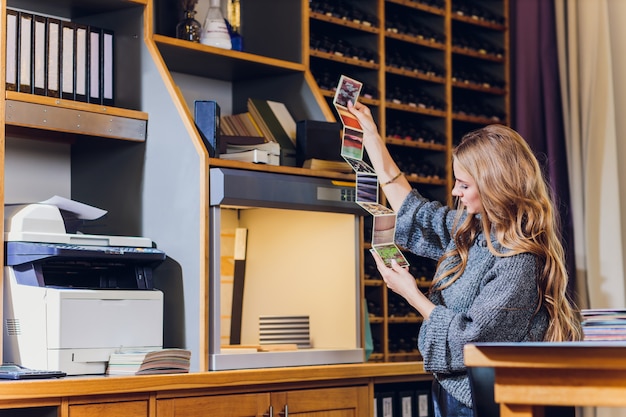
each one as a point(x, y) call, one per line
point(398, 175)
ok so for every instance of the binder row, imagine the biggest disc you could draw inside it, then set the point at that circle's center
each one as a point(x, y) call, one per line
point(59, 58)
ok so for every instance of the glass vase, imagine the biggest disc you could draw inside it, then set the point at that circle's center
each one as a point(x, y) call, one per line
point(189, 28)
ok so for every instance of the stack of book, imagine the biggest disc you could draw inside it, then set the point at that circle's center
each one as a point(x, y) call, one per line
point(138, 362)
point(604, 324)
point(240, 125)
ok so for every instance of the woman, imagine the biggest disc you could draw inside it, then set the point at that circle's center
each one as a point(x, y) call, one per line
point(504, 285)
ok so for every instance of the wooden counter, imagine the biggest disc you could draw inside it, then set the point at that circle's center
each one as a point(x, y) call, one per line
point(529, 376)
point(163, 395)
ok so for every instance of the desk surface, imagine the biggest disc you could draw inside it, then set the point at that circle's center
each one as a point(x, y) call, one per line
point(72, 386)
point(538, 374)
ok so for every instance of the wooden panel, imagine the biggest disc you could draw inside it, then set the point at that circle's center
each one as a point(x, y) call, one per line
point(242, 405)
point(126, 409)
point(60, 119)
point(529, 376)
point(346, 401)
point(561, 387)
point(13, 96)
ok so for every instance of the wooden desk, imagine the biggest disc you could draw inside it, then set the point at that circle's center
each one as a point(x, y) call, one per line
point(529, 376)
point(308, 390)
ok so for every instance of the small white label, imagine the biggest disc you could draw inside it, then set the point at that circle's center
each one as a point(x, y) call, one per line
point(388, 407)
point(407, 410)
point(422, 405)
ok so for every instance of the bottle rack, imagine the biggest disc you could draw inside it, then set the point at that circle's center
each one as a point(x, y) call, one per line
point(432, 71)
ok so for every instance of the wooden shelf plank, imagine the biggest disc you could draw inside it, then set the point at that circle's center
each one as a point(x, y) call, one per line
point(52, 114)
point(221, 64)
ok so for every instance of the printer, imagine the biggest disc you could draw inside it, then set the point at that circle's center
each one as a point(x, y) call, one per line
point(72, 299)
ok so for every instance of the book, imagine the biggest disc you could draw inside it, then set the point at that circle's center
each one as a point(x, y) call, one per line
point(604, 324)
point(260, 153)
point(256, 156)
point(144, 362)
point(240, 125)
point(265, 118)
point(227, 140)
point(285, 118)
point(270, 147)
point(269, 124)
point(207, 119)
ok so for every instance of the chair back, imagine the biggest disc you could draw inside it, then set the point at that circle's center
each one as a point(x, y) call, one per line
point(481, 382)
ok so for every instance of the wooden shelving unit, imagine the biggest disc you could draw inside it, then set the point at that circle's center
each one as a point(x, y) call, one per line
point(424, 48)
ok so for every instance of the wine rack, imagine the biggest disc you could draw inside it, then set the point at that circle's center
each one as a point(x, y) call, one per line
point(432, 71)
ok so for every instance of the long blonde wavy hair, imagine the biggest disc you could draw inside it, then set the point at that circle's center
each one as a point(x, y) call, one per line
point(519, 212)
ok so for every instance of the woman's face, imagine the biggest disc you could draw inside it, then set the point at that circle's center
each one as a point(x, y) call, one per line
point(465, 189)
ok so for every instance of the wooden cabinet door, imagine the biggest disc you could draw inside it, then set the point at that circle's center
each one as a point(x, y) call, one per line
point(110, 409)
point(323, 402)
point(235, 405)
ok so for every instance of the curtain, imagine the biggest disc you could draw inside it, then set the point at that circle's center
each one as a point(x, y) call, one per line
point(536, 106)
point(591, 42)
point(587, 43)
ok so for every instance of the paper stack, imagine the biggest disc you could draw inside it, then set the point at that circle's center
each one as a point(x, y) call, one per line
point(138, 362)
point(604, 324)
point(263, 153)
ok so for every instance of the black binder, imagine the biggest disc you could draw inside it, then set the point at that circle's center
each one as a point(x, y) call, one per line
point(68, 60)
point(423, 403)
point(107, 50)
point(80, 61)
point(12, 39)
point(406, 404)
point(39, 55)
point(94, 65)
point(53, 57)
point(385, 402)
point(25, 53)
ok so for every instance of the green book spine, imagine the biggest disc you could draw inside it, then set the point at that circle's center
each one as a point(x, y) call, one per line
point(278, 133)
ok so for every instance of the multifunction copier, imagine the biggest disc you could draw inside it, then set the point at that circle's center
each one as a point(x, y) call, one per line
point(72, 299)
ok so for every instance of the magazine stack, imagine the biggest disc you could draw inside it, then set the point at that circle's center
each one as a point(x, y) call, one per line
point(604, 324)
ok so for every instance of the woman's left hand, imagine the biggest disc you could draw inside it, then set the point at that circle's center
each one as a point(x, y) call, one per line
point(399, 280)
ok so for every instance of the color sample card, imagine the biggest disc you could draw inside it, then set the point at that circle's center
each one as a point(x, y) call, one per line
point(384, 224)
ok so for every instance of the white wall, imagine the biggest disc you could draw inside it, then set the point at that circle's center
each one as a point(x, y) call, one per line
point(35, 170)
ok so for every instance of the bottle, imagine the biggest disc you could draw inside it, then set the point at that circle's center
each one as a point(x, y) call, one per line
point(189, 28)
point(214, 31)
point(234, 24)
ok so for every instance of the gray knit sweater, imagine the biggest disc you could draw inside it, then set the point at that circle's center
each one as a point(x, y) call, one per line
point(493, 301)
